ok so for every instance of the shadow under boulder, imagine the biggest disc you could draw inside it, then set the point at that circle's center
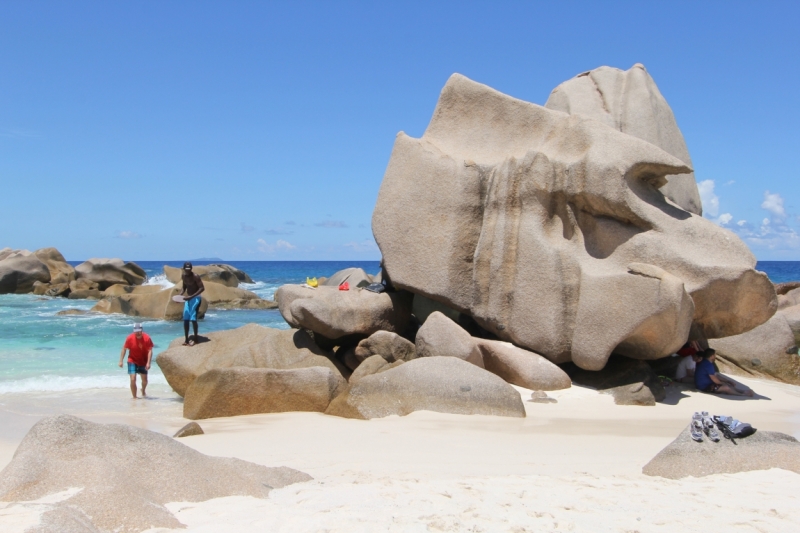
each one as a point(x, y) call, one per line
point(629, 381)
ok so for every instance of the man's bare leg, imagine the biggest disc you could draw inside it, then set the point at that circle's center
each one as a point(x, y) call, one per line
point(186, 332)
point(194, 326)
point(728, 389)
point(144, 384)
point(133, 385)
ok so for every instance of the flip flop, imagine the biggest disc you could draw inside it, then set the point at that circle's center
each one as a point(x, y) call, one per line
point(191, 343)
point(185, 344)
point(708, 426)
point(697, 427)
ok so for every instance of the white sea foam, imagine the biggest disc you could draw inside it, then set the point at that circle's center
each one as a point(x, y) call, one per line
point(68, 383)
point(159, 279)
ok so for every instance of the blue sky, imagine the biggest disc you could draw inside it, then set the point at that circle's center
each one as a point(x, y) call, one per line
point(261, 130)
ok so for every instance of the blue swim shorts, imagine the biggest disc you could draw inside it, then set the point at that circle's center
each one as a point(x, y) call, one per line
point(190, 307)
point(133, 368)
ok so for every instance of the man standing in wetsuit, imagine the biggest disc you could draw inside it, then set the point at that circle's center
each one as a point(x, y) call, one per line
point(192, 287)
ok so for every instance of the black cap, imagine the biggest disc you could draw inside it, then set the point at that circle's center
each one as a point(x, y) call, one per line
point(187, 265)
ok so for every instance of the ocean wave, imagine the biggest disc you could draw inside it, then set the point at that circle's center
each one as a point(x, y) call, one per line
point(69, 383)
point(159, 279)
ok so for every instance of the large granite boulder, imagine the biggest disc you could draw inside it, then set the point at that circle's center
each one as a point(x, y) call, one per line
point(442, 384)
point(629, 101)
point(249, 346)
point(245, 391)
point(82, 288)
point(121, 476)
point(335, 314)
point(107, 272)
point(388, 345)
point(789, 299)
point(241, 275)
point(441, 337)
point(60, 270)
point(762, 450)
point(551, 231)
point(770, 350)
point(211, 273)
point(19, 272)
point(48, 289)
point(7, 252)
point(159, 305)
point(120, 289)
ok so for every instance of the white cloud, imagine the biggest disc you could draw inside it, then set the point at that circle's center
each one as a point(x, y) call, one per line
point(774, 204)
point(247, 229)
point(708, 198)
point(127, 235)
point(741, 223)
point(331, 224)
point(731, 182)
point(268, 248)
point(724, 219)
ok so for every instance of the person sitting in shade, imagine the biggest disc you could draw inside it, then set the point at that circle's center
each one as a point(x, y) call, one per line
point(707, 379)
point(689, 359)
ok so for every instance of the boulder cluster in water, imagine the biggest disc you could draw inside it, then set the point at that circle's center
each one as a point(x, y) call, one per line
point(522, 245)
point(119, 286)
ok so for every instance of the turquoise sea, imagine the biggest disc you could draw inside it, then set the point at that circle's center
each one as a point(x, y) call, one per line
point(41, 351)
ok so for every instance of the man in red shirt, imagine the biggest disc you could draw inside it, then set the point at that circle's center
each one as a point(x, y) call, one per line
point(140, 352)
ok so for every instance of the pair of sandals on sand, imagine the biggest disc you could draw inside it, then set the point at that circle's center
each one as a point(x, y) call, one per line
point(703, 423)
point(190, 342)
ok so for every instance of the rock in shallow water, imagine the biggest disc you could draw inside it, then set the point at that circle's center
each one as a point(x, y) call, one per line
point(125, 475)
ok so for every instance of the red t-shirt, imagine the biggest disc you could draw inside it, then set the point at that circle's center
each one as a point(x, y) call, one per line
point(139, 348)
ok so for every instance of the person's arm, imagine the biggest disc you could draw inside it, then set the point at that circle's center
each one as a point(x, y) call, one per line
point(149, 358)
point(715, 379)
point(122, 355)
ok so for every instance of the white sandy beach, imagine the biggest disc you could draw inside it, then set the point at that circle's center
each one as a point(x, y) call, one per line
point(571, 466)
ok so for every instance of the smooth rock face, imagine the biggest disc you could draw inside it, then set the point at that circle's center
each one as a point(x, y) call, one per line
point(629, 101)
point(107, 272)
point(521, 367)
point(189, 430)
point(60, 270)
point(249, 346)
point(211, 273)
point(246, 391)
point(770, 345)
point(442, 384)
point(760, 451)
point(126, 474)
point(441, 337)
point(120, 290)
point(789, 299)
point(528, 220)
point(390, 346)
point(18, 273)
point(335, 314)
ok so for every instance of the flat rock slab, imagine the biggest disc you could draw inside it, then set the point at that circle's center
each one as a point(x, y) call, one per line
point(442, 384)
point(761, 451)
point(124, 475)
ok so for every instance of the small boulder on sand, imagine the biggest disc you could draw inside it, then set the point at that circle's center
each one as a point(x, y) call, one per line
point(189, 430)
point(124, 475)
point(440, 336)
point(250, 346)
point(390, 345)
point(762, 450)
point(246, 391)
point(442, 384)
